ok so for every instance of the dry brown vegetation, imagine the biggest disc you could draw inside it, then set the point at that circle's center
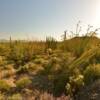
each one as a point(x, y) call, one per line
point(50, 70)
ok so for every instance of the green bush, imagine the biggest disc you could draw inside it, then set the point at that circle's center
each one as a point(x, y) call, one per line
point(21, 53)
point(16, 55)
point(59, 83)
point(15, 97)
point(23, 82)
point(91, 73)
point(4, 86)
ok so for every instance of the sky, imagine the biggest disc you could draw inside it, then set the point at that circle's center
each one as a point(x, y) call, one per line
point(36, 19)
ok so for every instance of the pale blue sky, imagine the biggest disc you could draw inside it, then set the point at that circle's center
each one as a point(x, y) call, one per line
point(41, 18)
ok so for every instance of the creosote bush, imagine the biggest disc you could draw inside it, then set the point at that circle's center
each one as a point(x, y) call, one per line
point(15, 97)
point(23, 82)
point(4, 86)
point(91, 73)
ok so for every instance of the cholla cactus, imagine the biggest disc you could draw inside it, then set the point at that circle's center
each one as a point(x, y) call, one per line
point(75, 82)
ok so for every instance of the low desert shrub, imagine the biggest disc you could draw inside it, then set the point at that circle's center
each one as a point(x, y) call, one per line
point(4, 86)
point(23, 82)
point(15, 97)
point(59, 83)
point(91, 73)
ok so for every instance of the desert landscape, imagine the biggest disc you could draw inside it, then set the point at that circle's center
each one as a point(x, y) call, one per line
point(50, 70)
point(49, 49)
